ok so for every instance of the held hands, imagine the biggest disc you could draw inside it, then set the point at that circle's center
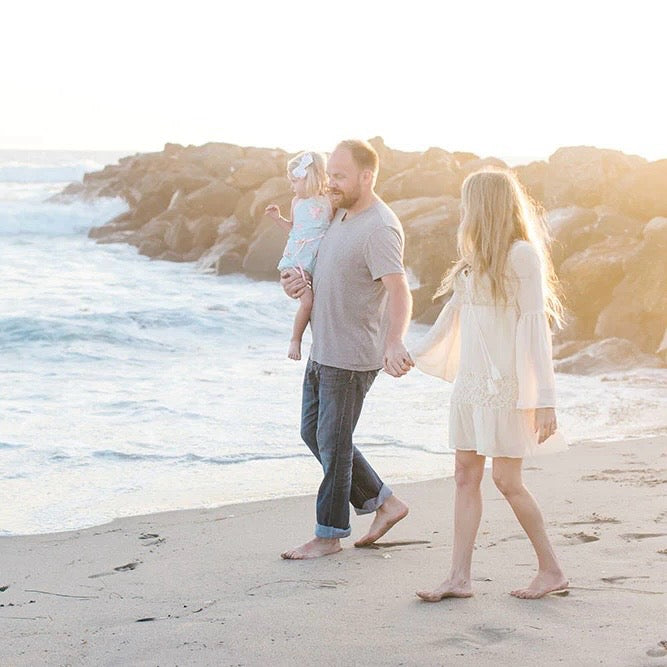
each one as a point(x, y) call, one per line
point(397, 360)
point(545, 423)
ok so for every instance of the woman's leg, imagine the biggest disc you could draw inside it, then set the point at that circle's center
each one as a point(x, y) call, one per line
point(550, 577)
point(300, 323)
point(467, 515)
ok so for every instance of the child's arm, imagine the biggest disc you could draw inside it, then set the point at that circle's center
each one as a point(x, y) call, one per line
point(273, 212)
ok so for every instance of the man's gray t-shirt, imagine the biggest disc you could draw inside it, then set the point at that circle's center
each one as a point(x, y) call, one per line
point(348, 320)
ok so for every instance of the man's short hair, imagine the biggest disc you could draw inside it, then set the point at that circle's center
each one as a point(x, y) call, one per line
point(363, 154)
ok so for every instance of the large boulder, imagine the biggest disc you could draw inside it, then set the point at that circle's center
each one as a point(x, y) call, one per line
point(178, 237)
point(605, 356)
point(152, 247)
point(265, 251)
point(435, 173)
point(217, 199)
point(204, 230)
point(532, 176)
point(590, 276)
point(276, 190)
point(407, 209)
point(215, 158)
point(479, 164)
point(392, 161)
point(642, 193)
point(250, 173)
point(431, 244)
point(226, 256)
point(123, 222)
point(638, 309)
point(585, 175)
point(571, 229)
point(242, 212)
point(411, 184)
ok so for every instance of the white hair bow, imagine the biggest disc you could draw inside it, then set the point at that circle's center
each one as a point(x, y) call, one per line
point(300, 170)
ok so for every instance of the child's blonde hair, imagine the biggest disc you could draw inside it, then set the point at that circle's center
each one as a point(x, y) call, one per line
point(496, 211)
point(315, 172)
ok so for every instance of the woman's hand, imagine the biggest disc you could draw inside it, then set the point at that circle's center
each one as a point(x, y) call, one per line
point(545, 423)
point(397, 360)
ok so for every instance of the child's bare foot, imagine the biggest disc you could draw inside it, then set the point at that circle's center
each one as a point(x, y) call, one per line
point(543, 584)
point(294, 351)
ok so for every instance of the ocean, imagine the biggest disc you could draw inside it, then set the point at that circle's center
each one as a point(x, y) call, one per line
point(131, 386)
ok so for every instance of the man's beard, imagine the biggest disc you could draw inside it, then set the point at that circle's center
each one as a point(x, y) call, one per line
point(347, 200)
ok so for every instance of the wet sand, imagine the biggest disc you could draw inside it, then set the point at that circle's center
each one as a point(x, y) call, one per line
point(207, 587)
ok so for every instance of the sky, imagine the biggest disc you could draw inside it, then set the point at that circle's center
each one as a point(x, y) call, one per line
point(511, 78)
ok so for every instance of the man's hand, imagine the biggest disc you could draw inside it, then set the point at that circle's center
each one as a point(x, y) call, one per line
point(545, 423)
point(397, 360)
point(293, 283)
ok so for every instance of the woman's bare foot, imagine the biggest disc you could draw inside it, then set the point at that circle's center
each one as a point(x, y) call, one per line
point(316, 548)
point(294, 351)
point(543, 584)
point(447, 589)
point(387, 515)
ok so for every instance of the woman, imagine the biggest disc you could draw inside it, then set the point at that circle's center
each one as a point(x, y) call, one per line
point(493, 338)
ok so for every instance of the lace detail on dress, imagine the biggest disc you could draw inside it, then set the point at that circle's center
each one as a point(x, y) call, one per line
point(473, 389)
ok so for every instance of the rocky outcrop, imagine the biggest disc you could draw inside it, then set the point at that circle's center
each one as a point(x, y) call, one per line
point(604, 356)
point(585, 176)
point(638, 306)
point(607, 213)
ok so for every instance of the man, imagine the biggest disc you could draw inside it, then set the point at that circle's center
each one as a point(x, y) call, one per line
point(361, 311)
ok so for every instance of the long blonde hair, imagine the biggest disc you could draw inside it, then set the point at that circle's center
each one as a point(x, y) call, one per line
point(495, 212)
point(316, 172)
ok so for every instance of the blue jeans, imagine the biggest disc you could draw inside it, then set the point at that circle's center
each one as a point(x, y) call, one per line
point(331, 404)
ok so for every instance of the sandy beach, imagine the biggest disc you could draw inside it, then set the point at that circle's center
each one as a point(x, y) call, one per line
point(207, 587)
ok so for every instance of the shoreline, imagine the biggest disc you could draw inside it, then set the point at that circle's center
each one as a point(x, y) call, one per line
point(278, 496)
point(207, 586)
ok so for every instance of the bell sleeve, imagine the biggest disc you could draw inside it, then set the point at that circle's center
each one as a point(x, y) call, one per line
point(439, 351)
point(534, 366)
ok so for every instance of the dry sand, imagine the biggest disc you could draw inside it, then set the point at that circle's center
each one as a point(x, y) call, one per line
point(207, 587)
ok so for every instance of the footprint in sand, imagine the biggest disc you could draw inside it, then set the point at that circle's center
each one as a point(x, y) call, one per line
point(283, 587)
point(629, 537)
point(581, 537)
point(121, 568)
point(151, 539)
point(478, 635)
point(615, 580)
point(594, 520)
point(658, 651)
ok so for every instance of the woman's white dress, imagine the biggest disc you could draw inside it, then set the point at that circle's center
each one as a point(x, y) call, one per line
point(494, 417)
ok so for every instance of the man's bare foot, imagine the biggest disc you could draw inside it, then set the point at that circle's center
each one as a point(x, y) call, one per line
point(543, 584)
point(316, 548)
point(294, 351)
point(387, 515)
point(447, 589)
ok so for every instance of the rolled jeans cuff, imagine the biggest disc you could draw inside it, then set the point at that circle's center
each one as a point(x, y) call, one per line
point(331, 532)
point(372, 504)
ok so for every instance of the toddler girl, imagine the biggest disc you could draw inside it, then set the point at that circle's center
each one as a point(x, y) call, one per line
point(310, 216)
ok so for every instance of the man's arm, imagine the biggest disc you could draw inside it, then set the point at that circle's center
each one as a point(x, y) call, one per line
point(397, 360)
